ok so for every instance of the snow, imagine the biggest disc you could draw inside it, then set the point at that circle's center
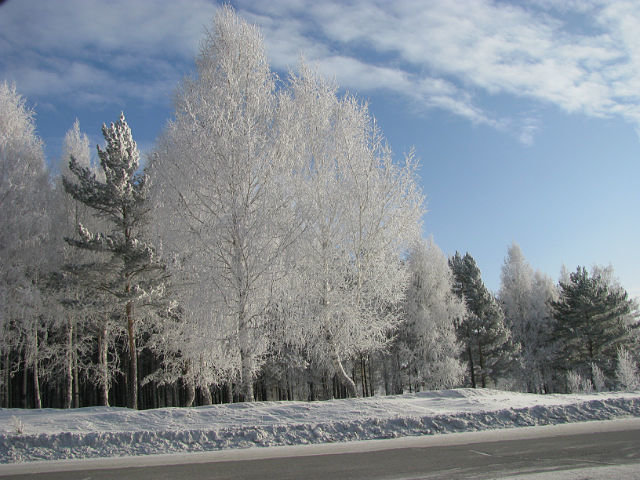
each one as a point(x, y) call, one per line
point(94, 432)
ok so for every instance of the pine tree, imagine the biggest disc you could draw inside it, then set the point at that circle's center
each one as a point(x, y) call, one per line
point(133, 275)
point(594, 318)
point(488, 347)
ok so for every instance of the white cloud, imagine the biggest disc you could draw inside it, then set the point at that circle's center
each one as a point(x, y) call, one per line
point(96, 52)
point(527, 130)
point(581, 56)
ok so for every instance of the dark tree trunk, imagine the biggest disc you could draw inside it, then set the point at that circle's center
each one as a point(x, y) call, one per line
point(36, 372)
point(371, 382)
point(133, 358)
point(228, 391)
point(68, 390)
point(471, 367)
point(76, 385)
point(483, 373)
point(23, 392)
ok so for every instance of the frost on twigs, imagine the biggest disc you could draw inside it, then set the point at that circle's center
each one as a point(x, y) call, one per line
point(627, 371)
point(577, 384)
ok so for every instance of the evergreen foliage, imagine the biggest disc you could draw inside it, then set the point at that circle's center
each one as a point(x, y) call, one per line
point(133, 274)
point(594, 318)
point(488, 347)
point(297, 267)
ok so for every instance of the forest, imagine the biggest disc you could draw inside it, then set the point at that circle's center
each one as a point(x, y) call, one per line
point(269, 247)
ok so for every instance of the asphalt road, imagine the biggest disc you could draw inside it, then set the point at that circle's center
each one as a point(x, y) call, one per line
point(478, 460)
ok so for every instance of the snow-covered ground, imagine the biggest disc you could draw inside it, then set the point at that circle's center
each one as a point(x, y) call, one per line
point(93, 432)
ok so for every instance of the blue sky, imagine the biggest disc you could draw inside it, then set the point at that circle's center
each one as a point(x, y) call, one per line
point(525, 115)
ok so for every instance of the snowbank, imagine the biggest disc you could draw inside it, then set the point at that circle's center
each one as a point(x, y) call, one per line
point(106, 431)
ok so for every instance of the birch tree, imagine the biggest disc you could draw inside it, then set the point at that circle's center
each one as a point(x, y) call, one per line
point(431, 312)
point(24, 192)
point(526, 298)
point(361, 210)
point(225, 178)
point(68, 214)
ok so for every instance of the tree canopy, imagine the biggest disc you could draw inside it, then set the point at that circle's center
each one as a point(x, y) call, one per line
point(594, 318)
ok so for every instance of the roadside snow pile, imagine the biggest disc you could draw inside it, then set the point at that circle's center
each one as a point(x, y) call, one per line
point(50, 434)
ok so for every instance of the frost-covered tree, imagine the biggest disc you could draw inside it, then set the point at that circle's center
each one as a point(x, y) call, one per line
point(192, 353)
point(224, 178)
point(71, 312)
point(431, 312)
point(24, 195)
point(361, 213)
point(488, 347)
point(133, 275)
point(594, 318)
point(627, 373)
point(525, 297)
point(252, 189)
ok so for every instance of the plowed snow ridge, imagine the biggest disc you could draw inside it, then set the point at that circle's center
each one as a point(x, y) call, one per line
point(51, 434)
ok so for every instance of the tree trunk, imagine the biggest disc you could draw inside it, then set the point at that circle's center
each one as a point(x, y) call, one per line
point(68, 393)
point(371, 383)
point(483, 373)
point(190, 392)
point(206, 395)
point(24, 385)
point(246, 386)
point(7, 381)
point(385, 376)
point(471, 366)
point(36, 372)
point(228, 392)
point(348, 383)
point(396, 375)
point(363, 373)
point(76, 384)
point(246, 358)
point(103, 381)
point(190, 388)
point(133, 358)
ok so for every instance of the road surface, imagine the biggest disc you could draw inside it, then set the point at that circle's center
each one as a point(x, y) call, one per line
point(454, 456)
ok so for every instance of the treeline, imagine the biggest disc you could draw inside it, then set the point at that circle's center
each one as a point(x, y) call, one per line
point(268, 250)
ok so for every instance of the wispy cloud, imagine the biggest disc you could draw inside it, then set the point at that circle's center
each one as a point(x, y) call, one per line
point(94, 52)
point(581, 56)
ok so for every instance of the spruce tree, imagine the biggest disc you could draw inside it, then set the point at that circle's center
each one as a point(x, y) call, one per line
point(594, 318)
point(133, 276)
point(488, 347)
